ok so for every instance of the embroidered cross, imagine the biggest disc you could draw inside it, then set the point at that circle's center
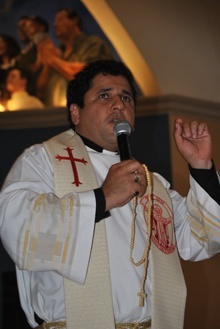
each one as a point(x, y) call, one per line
point(73, 164)
point(141, 294)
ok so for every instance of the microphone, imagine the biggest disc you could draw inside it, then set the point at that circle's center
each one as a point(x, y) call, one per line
point(122, 130)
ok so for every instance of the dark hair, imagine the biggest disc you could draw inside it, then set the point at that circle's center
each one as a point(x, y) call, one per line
point(23, 17)
point(13, 48)
point(42, 22)
point(78, 87)
point(72, 14)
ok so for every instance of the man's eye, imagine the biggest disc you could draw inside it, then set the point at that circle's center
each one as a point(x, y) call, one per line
point(126, 98)
point(104, 95)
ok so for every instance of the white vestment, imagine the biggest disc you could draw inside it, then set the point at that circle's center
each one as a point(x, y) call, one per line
point(35, 225)
point(21, 100)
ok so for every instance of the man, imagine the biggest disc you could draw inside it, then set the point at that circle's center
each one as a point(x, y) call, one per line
point(92, 236)
point(21, 32)
point(77, 49)
point(36, 28)
point(17, 85)
point(30, 30)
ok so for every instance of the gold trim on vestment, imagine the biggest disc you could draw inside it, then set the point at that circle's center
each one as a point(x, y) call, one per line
point(52, 325)
point(133, 325)
point(62, 325)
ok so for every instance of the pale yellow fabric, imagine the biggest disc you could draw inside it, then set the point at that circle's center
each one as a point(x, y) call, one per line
point(90, 303)
point(169, 289)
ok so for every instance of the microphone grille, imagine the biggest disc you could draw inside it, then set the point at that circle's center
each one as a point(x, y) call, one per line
point(122, 127)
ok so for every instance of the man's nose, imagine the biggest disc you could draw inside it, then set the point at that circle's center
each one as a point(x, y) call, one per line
point(118, 104)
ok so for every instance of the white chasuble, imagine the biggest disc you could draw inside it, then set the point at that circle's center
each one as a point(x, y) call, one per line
point(90, 305)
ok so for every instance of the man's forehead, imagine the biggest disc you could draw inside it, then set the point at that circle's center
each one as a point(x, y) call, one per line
point(108, 79)
point(14, 73)
point(61, 13)
point(22, 22)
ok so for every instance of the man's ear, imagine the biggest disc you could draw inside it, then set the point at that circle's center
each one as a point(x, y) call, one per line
point(74, 113)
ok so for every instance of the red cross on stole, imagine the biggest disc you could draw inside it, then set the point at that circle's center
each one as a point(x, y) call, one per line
point(73, 161)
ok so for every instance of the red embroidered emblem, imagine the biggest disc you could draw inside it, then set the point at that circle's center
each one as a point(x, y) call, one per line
point(162, 224)
point(73, 164)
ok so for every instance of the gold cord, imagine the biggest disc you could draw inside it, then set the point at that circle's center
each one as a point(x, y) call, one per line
point(145, 258)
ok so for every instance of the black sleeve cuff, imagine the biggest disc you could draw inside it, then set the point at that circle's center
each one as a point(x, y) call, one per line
point(208, 180)
point(100, 205)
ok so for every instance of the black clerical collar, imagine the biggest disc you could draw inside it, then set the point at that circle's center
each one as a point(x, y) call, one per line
point(91, 144)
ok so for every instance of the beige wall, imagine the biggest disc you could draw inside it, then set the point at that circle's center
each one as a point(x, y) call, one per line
point(180, 42)
point(203, 294)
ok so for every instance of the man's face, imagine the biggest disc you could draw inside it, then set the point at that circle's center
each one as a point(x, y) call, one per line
point(14, 81)
point(30, 28)
point(108, 100)
point(63, 25)
point(21, 30)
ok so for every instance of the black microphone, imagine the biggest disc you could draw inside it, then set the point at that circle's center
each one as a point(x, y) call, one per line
point(122, 130)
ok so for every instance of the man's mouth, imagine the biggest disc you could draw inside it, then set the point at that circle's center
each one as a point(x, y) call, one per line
point(117, 118)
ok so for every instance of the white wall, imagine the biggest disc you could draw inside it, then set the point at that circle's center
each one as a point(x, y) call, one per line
point(180, 40)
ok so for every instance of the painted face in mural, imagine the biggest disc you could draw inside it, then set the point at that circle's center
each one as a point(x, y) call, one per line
point(15, 82)
point(31, 28)
point(64, 25)
point(21, 30)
